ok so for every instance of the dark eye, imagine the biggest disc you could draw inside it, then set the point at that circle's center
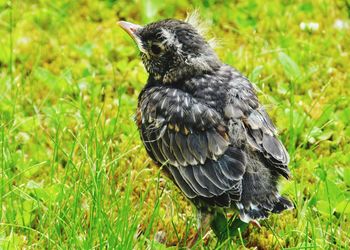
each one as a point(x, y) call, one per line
point(156, 49)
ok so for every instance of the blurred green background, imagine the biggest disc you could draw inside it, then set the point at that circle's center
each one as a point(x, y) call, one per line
point(73, 172)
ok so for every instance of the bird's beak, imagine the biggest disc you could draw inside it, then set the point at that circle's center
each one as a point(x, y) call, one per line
point(132, 30)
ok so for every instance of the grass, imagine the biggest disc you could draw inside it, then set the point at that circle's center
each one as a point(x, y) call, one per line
point(73, 172)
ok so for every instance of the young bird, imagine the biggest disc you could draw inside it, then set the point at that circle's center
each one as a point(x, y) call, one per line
point(200, 120)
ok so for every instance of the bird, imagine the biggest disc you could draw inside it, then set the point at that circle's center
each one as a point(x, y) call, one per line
point(200, 120)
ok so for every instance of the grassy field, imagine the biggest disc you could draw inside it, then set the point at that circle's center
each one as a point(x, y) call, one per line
point(73, 173)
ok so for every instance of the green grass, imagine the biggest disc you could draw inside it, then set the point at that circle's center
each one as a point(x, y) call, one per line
point(73, 172)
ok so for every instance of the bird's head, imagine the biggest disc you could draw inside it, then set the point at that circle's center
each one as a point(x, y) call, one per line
point(172, 50)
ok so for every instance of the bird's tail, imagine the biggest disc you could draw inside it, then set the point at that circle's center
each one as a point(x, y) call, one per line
point(260, 195)
point(261, 211)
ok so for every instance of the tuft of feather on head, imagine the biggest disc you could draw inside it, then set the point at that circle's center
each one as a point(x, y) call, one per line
point(194, 19)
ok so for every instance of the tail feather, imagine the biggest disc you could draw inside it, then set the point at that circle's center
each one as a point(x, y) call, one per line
point(282, 204)
point(260, 195)
point(258, 212)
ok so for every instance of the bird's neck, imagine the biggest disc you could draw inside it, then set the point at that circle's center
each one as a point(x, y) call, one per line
point(186, 71)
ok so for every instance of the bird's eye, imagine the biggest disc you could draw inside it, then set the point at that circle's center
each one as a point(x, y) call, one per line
point(156, 49)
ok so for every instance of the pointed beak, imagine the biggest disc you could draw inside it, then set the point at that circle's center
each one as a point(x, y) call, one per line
point(132, 30)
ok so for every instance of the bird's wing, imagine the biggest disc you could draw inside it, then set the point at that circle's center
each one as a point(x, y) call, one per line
point(190, 138)
point(261, 133)
point(180, 131)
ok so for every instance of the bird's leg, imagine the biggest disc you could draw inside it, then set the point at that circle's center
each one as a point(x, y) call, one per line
point(255, 223)
point(204, 219)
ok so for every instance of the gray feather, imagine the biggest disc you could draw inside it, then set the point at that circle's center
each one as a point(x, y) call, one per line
point(198, 146)
point(216, 144)
point(182, 183)
point(176, 150)
point(181, 141)
point(205, 182)
point(187, 174)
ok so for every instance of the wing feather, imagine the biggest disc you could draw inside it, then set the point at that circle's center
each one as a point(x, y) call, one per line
point(197, 145)
point(174, 148)
point(261, 134)
point(189, 138)
point(264, 138)
point(182, 144)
